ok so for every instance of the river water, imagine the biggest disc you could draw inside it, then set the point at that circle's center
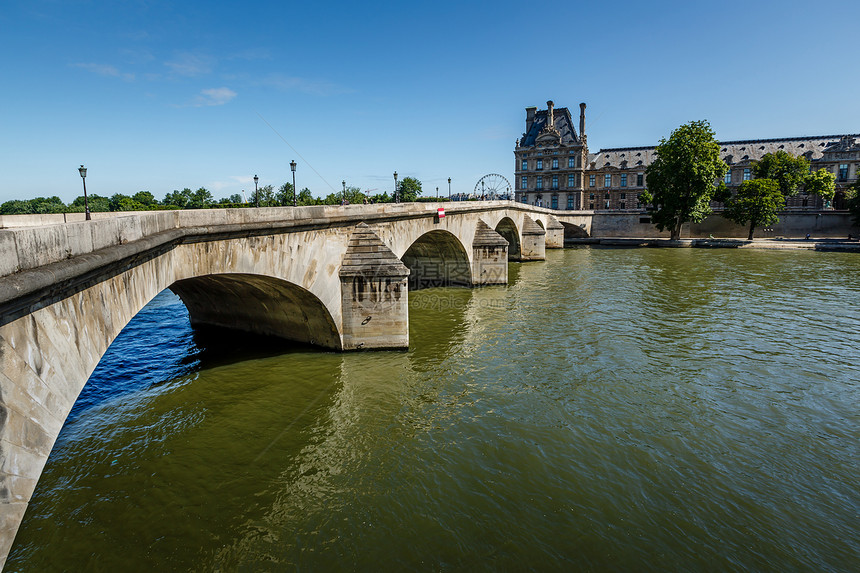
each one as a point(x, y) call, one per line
point(608, 410)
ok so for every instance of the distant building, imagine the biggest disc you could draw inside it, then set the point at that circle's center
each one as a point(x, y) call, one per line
point(551, 159)
point(549, 172)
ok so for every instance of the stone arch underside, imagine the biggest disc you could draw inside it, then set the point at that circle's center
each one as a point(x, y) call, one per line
point(508, 229)
point(437, 258)
point(572, 231)
point(260, 304)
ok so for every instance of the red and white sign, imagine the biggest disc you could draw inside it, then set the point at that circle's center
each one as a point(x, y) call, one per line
point(441, 212)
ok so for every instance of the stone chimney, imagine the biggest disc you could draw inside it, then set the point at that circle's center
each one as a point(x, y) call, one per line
point(550, 118)
point(582, 120)
point(530, 117)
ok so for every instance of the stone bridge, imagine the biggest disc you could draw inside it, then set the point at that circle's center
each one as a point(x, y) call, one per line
point(336, 277)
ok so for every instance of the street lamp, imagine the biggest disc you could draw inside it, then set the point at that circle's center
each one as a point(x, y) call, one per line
point(449, 189)
point(343, 195)
point(83, 171)
point(293, 169)
point(256, 192)
point(396, 194)
point(437, 192)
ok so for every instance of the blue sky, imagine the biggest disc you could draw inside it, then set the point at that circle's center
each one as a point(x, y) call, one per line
point(159, 96)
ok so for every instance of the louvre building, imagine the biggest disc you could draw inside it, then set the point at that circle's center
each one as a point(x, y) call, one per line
point(555, 169)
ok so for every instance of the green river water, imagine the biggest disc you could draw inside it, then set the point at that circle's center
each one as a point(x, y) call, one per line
point(608, 410)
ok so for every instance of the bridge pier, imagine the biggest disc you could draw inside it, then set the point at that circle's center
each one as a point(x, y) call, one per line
point(489, 257)
point(374, 294)
point(534, 243)
point(554, 234)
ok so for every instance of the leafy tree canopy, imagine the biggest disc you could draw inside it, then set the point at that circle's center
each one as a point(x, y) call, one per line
point(681, 178)
point(821, 182)
point(178, 198)
point(410, 189)
point(201, 199)
point(852, 194)
point(145, 198)
point(758, 201)
point(788, 171)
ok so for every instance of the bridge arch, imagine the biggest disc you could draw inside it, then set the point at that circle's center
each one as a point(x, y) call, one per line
point(258, 303)
point(572, 231)
point(508, 229)
point(437, 258)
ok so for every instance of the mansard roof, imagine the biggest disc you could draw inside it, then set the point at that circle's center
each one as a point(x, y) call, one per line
point(741, 152)
point(845, 144)
point(562, 121)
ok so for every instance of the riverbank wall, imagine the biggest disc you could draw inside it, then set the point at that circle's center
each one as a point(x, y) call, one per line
point(792, 225)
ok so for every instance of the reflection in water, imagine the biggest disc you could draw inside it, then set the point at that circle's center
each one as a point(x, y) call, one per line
point(594, 414)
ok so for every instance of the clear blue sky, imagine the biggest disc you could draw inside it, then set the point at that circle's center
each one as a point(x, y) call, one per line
point(158, 96)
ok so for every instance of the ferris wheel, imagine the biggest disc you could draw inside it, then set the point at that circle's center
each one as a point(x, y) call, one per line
point(492, 186)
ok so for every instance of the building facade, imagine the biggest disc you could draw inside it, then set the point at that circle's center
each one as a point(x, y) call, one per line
point(551, 158)
point(554, 168)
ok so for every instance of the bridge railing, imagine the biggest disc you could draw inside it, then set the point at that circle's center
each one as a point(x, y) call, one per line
point(33, 241)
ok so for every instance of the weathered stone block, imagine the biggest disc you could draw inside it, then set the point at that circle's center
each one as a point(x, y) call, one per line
point(374, 294)
point(41, 245)
point(534, 244)
point(489, 257)
point(8, 253)
point(554, 234)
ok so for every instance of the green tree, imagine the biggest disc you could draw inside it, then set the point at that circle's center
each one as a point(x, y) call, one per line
point(15, 207)
point(681, 178)
point(119, 202)
point(410, 189)
point(284, 196)
point(178, 198)
point(97, 203)
point(266, 193)
point(200, 199)
point(47, 205)
point(852, 195)
point(306, 198)
point(145, 198)
point(788, 171)
point(382, 198)
point(821, 182)
point(758, 201)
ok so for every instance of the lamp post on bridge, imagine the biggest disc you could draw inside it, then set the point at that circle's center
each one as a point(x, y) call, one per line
point(293, 169)
point(256, 192)
point(449, 189)
point(83, 171)
point(437, 193)
point(396, 192)
point(343, 194)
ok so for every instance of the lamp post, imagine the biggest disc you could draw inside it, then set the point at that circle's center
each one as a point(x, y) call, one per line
point(396, 194)
point(256, 192)
point(343, 194)
point(293, 169)
point(437, 192)
point(83, 171)
point(449, 189)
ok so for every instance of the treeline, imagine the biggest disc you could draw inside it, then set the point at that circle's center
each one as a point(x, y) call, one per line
point(202, 198)
point(682, 183)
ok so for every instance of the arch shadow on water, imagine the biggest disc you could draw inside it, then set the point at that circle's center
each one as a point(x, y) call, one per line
point(164, 342)
point(436, 259)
